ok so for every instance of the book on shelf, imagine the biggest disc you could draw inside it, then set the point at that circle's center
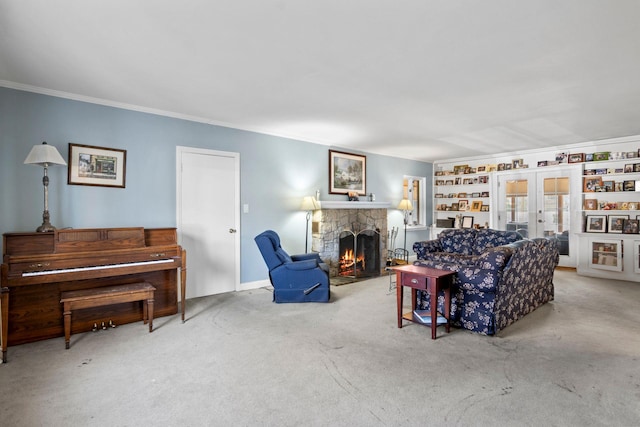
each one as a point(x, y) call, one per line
point(424, 316)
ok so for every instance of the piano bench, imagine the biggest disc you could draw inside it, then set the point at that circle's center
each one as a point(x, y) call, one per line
point(96, 297)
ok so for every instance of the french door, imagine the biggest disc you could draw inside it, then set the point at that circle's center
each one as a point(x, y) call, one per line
point(542, 204)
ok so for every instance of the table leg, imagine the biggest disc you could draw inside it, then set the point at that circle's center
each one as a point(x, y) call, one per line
point(150, 313)
point(399, 297)
point(432, 286)
point(447, 306)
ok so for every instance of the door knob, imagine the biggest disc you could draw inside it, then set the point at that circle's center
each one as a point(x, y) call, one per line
point(232, 230)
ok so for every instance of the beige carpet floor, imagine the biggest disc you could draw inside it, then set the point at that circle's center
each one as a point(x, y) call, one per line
point(242, 360)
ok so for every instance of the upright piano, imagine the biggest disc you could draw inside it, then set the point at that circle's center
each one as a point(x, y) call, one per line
point(38, 267)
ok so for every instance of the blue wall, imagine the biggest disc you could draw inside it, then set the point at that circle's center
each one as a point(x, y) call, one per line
point(275, 172)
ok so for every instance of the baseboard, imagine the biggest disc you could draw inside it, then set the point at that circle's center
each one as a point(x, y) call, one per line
point(254, 285)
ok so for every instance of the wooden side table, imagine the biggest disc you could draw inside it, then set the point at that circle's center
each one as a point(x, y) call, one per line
point(426, 279)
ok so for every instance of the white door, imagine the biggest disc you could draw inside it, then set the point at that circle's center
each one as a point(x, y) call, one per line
point(208, 219)
point(539, 204)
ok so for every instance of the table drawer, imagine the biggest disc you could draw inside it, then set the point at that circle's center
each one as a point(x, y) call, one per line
point(414, 280)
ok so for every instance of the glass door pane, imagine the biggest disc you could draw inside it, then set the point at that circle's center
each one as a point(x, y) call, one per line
point(517, 206)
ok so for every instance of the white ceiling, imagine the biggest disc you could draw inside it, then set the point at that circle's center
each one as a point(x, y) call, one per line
point(420, 79)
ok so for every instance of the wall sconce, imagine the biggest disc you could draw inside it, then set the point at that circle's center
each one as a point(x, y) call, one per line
point(45, 155)
point(309, 204)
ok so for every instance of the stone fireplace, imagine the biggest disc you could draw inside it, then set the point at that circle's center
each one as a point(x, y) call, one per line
point(362, 229)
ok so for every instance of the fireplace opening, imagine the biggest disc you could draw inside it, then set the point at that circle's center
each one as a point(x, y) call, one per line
point(359, 254)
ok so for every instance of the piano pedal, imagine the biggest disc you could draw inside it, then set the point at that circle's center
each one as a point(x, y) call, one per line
point(104, 326)
point(111, 324)
point(95, 328)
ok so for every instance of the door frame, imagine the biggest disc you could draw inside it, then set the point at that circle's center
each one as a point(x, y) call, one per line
point(236, 207)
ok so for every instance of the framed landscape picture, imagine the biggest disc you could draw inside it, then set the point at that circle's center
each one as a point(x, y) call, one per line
point(99, 166)
point(347, 173)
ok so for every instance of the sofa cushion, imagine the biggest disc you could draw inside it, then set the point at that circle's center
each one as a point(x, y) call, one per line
point(489, 238)
point(458, 241)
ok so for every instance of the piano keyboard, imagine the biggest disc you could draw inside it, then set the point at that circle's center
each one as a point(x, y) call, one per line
point(94, 267)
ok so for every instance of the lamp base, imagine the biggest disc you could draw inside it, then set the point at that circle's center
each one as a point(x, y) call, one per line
point(46, 226)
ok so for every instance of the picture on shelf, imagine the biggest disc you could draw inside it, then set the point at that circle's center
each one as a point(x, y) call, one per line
point(467, 222)
point(590, 184)
point(463, 205)
point(576, 158)
point(484, 208)
point(596, 223)
point(629, 185)
point(616, 223)
point(476, 205)
point(630, 226)
point(590, 204)
point(628, 168)
point(603, 155)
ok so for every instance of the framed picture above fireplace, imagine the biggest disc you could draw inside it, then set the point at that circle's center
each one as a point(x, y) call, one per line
point(347, 173)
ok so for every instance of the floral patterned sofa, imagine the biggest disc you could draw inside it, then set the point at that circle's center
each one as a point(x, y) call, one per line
point(500, 277)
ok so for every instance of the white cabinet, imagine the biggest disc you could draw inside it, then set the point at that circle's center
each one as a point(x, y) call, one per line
point(609, 243)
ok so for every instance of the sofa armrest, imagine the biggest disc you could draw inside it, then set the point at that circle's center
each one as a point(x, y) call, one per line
point(494, 258)
point(425, 247)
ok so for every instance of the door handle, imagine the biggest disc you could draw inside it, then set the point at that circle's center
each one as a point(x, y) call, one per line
point(232, 230)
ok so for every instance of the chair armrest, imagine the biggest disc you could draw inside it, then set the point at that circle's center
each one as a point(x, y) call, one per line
point(301, 265)
point(304, 257)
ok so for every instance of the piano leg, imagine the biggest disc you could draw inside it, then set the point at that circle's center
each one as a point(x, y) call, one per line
point(67, 325)
point(183, 282)
point(4, 320)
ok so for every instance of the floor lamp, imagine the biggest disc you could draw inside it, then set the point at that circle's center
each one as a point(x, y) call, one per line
point(405, 206)
point(309, 204)
point(45, 155)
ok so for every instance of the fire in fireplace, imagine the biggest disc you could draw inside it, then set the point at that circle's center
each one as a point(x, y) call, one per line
point(359, 253)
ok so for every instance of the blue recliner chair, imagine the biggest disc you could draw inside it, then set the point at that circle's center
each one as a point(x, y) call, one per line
point(297, 278)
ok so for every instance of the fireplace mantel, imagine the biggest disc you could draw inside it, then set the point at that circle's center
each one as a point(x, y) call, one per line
point(354, 205)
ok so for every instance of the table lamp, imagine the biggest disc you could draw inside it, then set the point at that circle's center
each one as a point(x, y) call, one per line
point(45, 155)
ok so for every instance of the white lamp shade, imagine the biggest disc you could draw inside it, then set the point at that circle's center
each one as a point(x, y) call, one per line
point(405, 205)
point(310, 203)
point(44, 155)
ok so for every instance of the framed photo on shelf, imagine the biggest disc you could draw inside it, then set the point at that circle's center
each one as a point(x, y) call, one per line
point(590, 204)
point(99, 166)
point(630, 226)
point(596, 224)
point(590, 184)
point(603, 155)
point(463, 204)
point(576, 158)
point(467, 222)
point(616, 223)
point(476, 205)
point(629, 185)
point(484, 208)
point(347, 173)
